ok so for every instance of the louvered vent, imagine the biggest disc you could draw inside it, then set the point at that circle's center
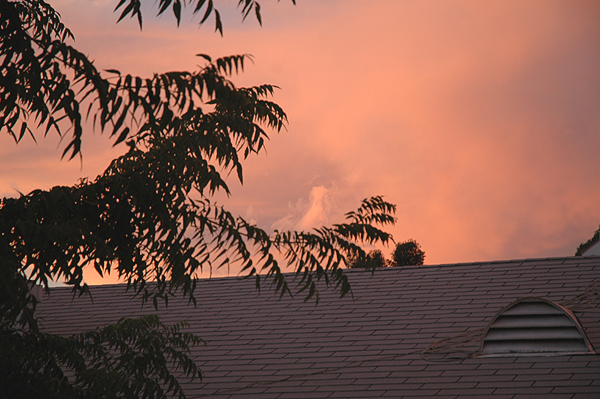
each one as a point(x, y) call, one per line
point(534, 325)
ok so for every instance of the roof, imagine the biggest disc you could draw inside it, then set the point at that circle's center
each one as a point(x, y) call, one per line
point(593, 248)
point(393, 339)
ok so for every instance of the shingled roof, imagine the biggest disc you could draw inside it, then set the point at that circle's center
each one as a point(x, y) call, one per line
point(407, 332)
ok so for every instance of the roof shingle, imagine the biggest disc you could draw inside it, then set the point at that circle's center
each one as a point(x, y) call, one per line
point(371, 345)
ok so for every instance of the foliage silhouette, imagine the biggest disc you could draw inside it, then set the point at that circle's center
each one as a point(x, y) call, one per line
point(585, 245)
point(150, 216)
point(408, 253)
point(128, 360)
point(373, 260)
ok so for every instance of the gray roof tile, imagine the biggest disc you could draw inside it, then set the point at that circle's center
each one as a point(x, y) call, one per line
point(260, 346)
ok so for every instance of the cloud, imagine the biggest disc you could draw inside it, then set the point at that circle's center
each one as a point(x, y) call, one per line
point(317, 213)
point(307, 215)
point(478, 119)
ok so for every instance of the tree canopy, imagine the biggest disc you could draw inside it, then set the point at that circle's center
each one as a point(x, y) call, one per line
point(372, 261)
point(150, 216)
point(408, 253)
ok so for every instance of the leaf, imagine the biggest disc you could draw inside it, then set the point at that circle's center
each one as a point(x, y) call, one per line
point(199, 5)
point(209, 9)
point(177, 11)
point(124, 134)
point(23, 130)
point(164, 4)
point(240, 173)
point(257, 11)
point(121, 2)
point(127, 10)
point(205, 56)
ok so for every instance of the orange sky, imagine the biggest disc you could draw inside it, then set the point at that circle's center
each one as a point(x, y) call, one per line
point(480, 120)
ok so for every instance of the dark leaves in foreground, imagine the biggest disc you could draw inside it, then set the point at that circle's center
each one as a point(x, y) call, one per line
point(135, 358)
point(149, 217)
point(205, 8)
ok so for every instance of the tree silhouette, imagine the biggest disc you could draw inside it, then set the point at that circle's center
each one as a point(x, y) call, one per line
point(373, 260)
point(408, 253)
point(149, 217)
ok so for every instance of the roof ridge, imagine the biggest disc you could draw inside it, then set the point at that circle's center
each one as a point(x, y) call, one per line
point(578, 259)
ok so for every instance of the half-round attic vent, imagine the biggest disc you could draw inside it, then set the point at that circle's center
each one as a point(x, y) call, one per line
point(534, 326)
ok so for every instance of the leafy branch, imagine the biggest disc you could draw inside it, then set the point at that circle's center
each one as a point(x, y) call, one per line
point(131, 359)
point(45, 79)
point(133, 9)
point(149, 217)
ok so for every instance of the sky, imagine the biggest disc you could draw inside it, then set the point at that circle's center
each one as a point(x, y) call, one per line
point(479, 120)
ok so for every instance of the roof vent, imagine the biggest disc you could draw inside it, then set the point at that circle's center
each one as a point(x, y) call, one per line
point(534, 326)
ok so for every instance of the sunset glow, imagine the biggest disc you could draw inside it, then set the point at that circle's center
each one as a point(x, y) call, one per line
point(480, 120)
